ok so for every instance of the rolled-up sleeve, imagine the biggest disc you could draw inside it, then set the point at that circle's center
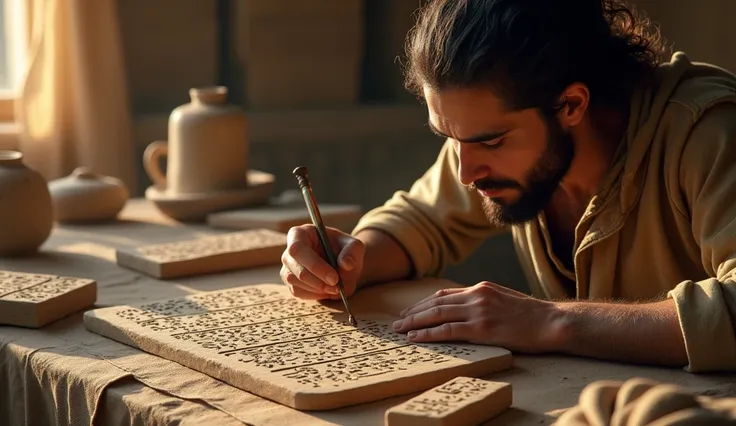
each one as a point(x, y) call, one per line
point(707, 308)
point(438, 221)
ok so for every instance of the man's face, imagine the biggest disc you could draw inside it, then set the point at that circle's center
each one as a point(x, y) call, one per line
point(515, 160)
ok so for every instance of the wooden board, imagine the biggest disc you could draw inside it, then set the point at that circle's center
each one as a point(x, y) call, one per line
point(34, 300)
point(299, 353)
point(210, 254)
point(463, 401)
point(278, 218)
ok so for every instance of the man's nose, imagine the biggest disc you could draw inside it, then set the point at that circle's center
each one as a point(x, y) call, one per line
point(470, 164)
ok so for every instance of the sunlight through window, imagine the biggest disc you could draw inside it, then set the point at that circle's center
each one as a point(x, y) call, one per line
point(12, 30)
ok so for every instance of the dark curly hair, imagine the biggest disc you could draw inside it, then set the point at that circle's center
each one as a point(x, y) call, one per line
point(529, 51)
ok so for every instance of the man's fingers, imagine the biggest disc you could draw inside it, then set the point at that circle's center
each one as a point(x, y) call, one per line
point(453, 298)
point(432, 317)
point(438, 294)
point(310, 286)
point(449, 331)
point(301, 253)
point(297, 275)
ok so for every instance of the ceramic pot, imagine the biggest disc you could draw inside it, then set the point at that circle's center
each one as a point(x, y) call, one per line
point(26, 211)
point(84, 196)
point(207, 149)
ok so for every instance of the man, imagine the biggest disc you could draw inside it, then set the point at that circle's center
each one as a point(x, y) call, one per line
point(614, 170)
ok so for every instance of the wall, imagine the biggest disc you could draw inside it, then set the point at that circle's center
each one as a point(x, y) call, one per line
point(322, 87)
point(699, 28)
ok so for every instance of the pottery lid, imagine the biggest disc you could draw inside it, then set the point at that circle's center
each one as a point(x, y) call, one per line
point(84, 183)
point(84, 173)
point(209, 94)
point(11, 158)
point(82, 177)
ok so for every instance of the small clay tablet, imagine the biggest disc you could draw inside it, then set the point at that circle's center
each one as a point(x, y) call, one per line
point(34, 300)
point(211, 254)
point(461, 401)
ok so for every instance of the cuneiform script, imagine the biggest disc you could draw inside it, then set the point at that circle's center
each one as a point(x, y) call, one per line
point(212, 245)
point(404, 358)
point(200, 304)
point(248, 249)
point(22, 287)
point(298, 352)
point(448, 397)
point(462, 401)
point(34, 300)
point(303, 341)
point(11, 282)
point(230, 338)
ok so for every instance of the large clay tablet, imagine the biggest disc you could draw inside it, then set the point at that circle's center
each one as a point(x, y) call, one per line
point(463, 401)
point(210, 254)
point(34, 300)
point(299, 353)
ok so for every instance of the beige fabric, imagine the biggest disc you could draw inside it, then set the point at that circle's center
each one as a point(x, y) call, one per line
point(63, 374)
point(643, 402)
point(36, 386)
point(134, 404)
point(73, 105)
point(664, 203)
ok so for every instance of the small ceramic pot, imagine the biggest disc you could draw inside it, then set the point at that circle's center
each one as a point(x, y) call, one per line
point(85, 197)
point(26, 211)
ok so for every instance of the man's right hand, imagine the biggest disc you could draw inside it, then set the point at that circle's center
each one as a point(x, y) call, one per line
point(307, 272)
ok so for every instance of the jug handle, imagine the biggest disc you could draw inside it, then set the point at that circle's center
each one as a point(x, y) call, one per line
point(154, 151)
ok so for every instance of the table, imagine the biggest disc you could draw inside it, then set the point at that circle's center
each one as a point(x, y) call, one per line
point(64, 375)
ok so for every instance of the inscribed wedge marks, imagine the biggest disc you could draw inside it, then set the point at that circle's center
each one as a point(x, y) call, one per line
point(303, 354)
point(34, 300)
point(10, 282)
point(46, 290)
point(212, 245)
point(198, 304)
point(462, 401)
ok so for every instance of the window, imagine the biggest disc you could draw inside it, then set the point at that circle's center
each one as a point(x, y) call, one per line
point(12, 49)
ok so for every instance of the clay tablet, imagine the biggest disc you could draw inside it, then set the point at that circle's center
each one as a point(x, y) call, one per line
point(34, 300)
point(277, 218)
point(461, 401)
point(299, 353)
point(210, 254)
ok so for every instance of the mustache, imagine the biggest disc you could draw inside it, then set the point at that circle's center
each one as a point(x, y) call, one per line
point(494, 185)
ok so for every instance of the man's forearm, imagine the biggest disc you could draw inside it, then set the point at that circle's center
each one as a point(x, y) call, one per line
point(385, 259)
point(646, 333)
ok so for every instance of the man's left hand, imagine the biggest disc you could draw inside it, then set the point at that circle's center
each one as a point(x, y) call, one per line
point(485, 313)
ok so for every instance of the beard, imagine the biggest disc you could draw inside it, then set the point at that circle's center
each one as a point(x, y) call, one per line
point(542, 181)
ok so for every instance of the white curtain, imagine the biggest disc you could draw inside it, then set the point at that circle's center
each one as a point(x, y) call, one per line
point(73, 107)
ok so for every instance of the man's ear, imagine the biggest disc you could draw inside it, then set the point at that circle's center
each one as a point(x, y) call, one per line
point(576, 100)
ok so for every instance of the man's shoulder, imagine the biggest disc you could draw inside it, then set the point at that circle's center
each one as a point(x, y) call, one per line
point(700, 116)
point(702, 87)
point(697, 129)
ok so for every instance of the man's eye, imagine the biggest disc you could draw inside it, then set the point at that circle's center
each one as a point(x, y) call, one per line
point(494, 144)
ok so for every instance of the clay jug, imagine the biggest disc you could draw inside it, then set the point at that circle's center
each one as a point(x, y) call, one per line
point(84, 196)
point(207, 148)
point(26, 212)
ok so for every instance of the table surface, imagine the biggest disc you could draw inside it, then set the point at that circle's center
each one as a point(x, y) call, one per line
point(63, 374)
